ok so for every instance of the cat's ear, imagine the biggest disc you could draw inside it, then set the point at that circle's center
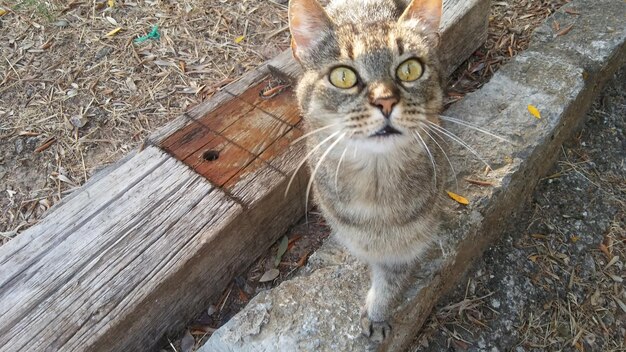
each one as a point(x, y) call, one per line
point(307, 22)
point(428, 12)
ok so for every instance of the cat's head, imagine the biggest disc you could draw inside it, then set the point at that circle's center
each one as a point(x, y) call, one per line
point(371, 67)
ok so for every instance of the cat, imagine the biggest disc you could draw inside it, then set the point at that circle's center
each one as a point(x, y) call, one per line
point(370, 95)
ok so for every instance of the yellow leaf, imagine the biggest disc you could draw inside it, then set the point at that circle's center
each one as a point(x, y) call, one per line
point(534, 111)
point(3, 12)
point(458, 198)
point(239, 39)
point(114, 32)
point(111, 3)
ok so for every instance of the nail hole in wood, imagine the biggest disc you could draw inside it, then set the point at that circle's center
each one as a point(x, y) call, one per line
point(211, 155)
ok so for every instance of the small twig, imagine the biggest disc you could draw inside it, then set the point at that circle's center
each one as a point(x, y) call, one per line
point(50, 141)
point(564, 31)
point(480, 182)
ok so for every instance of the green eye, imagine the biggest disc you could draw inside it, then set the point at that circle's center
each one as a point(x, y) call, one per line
point(342, 77)
point(410, 70)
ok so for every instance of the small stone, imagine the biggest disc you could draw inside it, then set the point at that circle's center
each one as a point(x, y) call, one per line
point(495, 303)
point(78, 121)
point(61, 23)
point(102, 53)
point(19, 146)
point(482, 343)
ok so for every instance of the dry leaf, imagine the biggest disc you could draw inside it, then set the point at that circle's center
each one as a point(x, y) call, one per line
point(65, 179)
point(111, 20)
point(458, 198)
point(282, 248)
point(239, 39)
point(613, 260)
point(188, 342)
point(534, 111)
point(564, 31)
point(28, 134)
point(3, 12)
point(114, 32)
point(273, 91)
point(130, 83)
point(480, 182)
point(50, 141)
point(111, 3)
point(269, 275)
point(620, 303)
point(303, 259)
point(595, 298)
point(605, 250)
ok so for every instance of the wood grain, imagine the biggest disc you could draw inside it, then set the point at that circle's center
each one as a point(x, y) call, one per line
point(95, 263)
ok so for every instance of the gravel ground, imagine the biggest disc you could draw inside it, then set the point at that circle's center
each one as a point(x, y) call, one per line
point(555, 281)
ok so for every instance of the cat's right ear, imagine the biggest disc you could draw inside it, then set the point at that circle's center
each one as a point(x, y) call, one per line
point(307, 22)
point(428, 12)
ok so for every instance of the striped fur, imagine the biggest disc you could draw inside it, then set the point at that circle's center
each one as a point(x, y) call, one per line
point(381, 195)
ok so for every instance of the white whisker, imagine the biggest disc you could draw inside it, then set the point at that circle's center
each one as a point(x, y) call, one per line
point(306, 157)
point(317, 166)
point(430, 156)
point(444, 154)
point(454, 137)
point(313, 132)
point(475, 128)
point(337, 172)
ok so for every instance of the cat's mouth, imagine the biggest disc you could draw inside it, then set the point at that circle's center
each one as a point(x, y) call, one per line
point(386, 131)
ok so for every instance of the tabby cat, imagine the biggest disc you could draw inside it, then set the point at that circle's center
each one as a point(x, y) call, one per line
point(371, 95)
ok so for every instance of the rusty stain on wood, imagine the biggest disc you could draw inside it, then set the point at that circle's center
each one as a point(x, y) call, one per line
point(188, 140)
point(241, 135)
point(281, 144)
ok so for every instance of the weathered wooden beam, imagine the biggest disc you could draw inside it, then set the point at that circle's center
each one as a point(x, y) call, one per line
point(140, 249)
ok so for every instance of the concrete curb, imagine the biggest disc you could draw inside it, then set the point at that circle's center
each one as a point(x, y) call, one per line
point(319, 310)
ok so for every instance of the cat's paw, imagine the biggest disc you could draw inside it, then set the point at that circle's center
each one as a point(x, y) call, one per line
point(376, 331)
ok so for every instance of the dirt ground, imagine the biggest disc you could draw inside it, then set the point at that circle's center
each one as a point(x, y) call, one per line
point(555, 281)
point(78, 92)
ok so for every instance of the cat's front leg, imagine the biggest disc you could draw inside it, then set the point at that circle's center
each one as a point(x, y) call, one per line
point(388, 283)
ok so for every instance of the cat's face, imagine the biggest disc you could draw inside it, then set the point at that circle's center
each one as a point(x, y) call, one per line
point(376, 81)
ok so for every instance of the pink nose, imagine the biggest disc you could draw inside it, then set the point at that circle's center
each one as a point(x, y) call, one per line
point(386, 105)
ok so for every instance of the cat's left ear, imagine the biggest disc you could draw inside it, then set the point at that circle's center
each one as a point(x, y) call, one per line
point(428, 12)
point(308, 22)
